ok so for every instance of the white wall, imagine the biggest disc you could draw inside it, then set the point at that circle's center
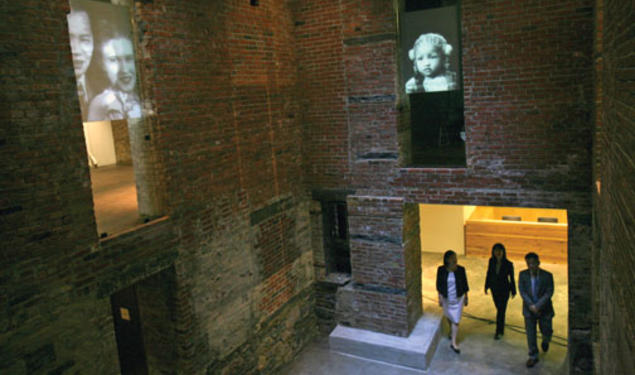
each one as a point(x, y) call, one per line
point(442, 227)
point(100, 142)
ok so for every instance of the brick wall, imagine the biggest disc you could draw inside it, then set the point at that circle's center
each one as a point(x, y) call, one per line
point(122, 142)
point(528, 94)
point(220, 151)
point(221, 79)
point(385, 293)
point(613, 202)
point(244, 105)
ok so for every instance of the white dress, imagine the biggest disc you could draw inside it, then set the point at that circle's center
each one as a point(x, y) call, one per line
point(452, 306)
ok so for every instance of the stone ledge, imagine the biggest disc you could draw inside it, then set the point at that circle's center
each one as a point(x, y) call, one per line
point(414, 351)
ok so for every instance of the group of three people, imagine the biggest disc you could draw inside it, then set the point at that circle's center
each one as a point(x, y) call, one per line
point(534, 284)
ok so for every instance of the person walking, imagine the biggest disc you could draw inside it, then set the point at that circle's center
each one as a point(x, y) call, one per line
point(452, 287)
point(500, 280)
point(536, 289)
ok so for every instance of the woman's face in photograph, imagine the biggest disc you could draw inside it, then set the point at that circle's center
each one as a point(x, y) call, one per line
point(81, 38)
point(119, 65)
point(428, 60)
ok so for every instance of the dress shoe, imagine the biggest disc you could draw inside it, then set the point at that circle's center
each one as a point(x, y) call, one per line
point(456, 350)
point(531, 362)
point(545, 346)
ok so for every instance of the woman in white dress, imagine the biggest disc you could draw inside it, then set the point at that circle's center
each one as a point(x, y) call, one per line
point(452, 287)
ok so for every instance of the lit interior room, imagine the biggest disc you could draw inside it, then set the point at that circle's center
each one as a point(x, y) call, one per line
point(471, 231)
point(112, 176)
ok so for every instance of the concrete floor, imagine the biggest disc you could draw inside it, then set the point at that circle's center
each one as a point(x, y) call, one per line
point(114, 198)
point(480, 353)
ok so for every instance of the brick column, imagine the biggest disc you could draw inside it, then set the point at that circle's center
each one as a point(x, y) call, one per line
point(385, 293)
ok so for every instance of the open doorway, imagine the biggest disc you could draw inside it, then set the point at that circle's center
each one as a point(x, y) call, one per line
point(471, 231)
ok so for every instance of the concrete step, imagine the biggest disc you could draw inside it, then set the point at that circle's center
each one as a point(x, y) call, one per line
point(414, 351)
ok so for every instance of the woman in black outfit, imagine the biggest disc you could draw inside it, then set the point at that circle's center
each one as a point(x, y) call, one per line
point(500, 279)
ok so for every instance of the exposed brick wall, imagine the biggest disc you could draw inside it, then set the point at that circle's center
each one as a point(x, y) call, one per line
point(321, 82)
point(220, 143)
point(122, 142)
point(412, 257)
point(244, 105)
point(385, 294)
point(221, 79)
point(614, 237)
point(47, 227)
point(528, 85)
point(156, 300)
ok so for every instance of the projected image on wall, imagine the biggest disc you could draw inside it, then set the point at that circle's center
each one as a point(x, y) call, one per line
point(431, 77)
point(103, 60)
point(430, 56)
point(430, 44)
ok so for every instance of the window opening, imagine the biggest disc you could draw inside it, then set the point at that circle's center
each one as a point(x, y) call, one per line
point(432, 78)
point(103, 54)
point(336, 244)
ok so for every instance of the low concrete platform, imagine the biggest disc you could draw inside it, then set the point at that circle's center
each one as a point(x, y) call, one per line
point(414, 351)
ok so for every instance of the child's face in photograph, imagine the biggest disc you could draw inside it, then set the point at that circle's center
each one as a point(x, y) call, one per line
point(428, 60)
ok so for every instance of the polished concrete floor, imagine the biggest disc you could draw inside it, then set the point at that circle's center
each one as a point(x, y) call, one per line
point(480, 353)
point(115, 198)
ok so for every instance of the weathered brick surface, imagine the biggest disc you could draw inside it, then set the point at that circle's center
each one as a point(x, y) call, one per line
point(379, 310)
point(247, 107)
point(412, 257)
point(528, 96)
point(321, 80)
point(614, 236)
point(385, 294)
point(220, 144)
point(156, 300)
point(122, 142)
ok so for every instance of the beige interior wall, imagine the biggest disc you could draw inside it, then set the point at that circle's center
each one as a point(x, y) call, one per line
point(441, 228)
point(467, 212)
point(100, 143)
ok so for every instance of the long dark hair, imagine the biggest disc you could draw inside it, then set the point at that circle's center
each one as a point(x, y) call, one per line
point(446, 257)
point(501, 247)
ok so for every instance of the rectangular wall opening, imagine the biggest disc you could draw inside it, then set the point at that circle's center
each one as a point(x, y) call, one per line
point(471, 231)
point(431, 78)
point(127, 321)
point(104, 60)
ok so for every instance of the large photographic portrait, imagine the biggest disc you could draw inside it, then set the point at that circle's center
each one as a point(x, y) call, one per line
point(104, 61)
point(430, 62)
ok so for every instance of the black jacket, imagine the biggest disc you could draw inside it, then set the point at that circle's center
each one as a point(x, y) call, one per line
point(503, 282)
point(461, 281)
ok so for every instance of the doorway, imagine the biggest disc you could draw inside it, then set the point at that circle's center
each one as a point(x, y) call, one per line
point(471, 231)
point(126, 318)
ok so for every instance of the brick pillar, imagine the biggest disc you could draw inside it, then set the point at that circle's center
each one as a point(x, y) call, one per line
point(145, 160)
point(385, 293)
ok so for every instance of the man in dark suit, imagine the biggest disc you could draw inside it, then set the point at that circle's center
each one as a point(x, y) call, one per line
point(536, 288)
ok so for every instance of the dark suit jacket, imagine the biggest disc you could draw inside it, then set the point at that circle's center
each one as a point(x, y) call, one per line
point(544, 292)
point(461, 281)
point(501, 283)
